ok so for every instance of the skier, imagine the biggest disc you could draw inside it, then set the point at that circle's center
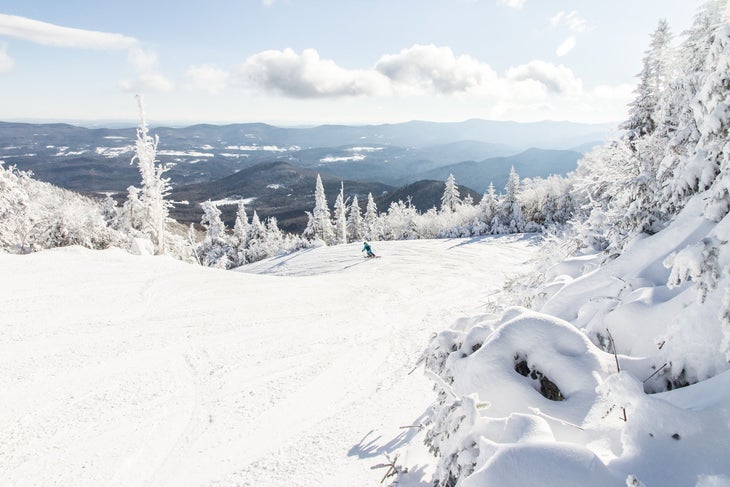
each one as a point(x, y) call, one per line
point(368, 249)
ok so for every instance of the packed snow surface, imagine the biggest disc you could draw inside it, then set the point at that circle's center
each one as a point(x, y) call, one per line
point(136, 370)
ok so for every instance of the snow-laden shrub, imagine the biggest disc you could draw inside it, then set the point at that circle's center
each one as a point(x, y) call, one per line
point(35, 215)
point(488, 402)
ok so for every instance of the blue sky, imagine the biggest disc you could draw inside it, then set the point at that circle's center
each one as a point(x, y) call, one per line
point(326, 61)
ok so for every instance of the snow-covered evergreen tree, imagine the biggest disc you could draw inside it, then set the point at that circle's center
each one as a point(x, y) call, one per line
point(713, 105)
point(653, 79)
point(154, 187)
point(319, 226)
point(488, 208)
point(110, 212)
point(450, 200)
point(509, 217)
point(355, 222)
point(371, 219)
point(682, 171)
point(241, 225)
point(132, 213)
point(240, 236)
point(215, 250)
point(340, 223)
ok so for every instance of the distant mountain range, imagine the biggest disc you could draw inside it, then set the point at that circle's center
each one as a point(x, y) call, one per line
point(212, 161)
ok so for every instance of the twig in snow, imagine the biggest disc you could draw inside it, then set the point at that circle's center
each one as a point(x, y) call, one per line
point(438, 380)
point(419, 426)
point(392, 469)
point(656, 371)
point(613, 346)
point(618, 367)
point(553, 418)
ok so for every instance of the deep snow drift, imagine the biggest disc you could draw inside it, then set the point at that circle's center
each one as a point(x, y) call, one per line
point(537, 394)
point(124, 370)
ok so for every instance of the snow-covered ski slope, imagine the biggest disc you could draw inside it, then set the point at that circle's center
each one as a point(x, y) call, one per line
point(124, 370)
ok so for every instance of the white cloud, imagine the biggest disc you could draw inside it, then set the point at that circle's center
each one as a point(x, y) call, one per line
point(6, 62)
point(306, 75)
point(148, 82)
point(571, 20)
point(142, 60)
point(56, 35)
point(566, 46)
point(532, 91)
point(416, 70)
point(208, 78)
point(512, 3)
point(434, 69)
point(556, 79)
point(268, 3)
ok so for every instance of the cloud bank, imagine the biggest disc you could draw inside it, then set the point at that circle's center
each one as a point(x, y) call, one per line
point(143, 61)
point(418, 75)
point(418, 70)
point(306, 75)
point(58, 36)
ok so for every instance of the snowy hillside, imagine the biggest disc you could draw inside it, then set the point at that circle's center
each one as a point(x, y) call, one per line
point(124, 370)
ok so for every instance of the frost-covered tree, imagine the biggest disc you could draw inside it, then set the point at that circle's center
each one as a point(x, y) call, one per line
point(340, 223)
point(371, 219)
point(713, 105)
point(653, 79)
point(215, 250)
point(132, 214)
point(241, 229)
point(241, 225)
point(509, 217)
point(255, 248)
point(319, 226)
point(488, 208)
point(355, 222)
point(400, 222)
point(154, 187)
point(451, 199)
point(110, 212)
point(35, 215)
point(683, 171)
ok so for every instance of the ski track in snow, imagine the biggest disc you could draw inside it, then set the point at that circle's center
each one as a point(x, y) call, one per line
point(125, 370)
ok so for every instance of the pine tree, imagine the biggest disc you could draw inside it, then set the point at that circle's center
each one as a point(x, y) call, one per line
point(192, 242)
point(355, 221)
point(110, 212)
point(340, 217)
point(256, 246)
point(154, 187)
point(132, 217)
point(320, 225)
point(451, 199)
point(214, 227)
point(510, 212)
point(488, 207)
point(241, 230)
point(215, 250)
point(713, 104)
point(683, 171)
point(652, 82)
point(371, 219)
point(241, 226)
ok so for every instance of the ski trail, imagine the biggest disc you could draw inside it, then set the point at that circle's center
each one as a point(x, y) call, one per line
point(146, 371)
